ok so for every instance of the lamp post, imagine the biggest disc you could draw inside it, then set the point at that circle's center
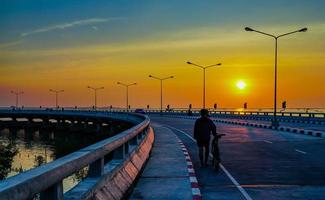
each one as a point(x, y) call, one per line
point(95, 93)
point(204, 68)
point(275, 122)
point(17, 96)
point(56, 96)
point(161, 90)
point(127, 93)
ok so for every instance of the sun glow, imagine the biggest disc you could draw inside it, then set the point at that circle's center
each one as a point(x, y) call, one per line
point(241, 85)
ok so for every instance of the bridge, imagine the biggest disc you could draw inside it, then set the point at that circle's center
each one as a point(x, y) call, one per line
point(258, 161)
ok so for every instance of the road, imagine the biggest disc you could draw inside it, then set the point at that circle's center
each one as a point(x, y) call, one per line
point(306, 126)
point(266, 164)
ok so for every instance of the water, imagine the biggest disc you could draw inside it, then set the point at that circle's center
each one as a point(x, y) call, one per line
point(24, 149)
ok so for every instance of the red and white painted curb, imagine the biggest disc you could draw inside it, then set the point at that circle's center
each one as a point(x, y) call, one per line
point(196, 193)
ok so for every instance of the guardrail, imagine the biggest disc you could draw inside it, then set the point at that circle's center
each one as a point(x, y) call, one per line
point(314, 116)
point(293, 117)
point(71, 113)
point(46, 180)
point(295, 112)
point(246, 113)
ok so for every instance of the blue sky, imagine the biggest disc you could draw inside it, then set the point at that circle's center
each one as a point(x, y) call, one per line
point(138, 19)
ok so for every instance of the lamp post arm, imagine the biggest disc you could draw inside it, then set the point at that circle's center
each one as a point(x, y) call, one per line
point(56, 91)
point(126, 85)
point(131, 84)
point(167, 78)
point(212, 65)
point(119, 83)
point(16, 93)
point(154, 77)
point(197, 65)
point(265, 34)
point(91, 88)
point(288, 33)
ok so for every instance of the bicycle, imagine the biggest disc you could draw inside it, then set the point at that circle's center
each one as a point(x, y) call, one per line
point(215, 151)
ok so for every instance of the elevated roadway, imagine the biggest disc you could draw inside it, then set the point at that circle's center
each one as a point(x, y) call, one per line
point(257, 163)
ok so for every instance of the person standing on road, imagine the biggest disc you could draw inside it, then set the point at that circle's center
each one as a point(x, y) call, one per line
point(203, 128)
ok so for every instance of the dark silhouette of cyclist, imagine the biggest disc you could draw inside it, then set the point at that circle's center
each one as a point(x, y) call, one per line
point(203, 128)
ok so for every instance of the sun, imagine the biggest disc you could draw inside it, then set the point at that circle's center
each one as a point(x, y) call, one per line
point(241, 85)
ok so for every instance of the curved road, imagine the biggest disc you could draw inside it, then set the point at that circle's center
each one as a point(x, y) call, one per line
point(258, 163)
point(314, 127)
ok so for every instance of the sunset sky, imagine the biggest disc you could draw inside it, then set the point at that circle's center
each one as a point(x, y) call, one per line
point(71, 44)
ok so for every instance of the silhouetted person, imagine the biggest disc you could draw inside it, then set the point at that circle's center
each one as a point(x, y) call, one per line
point(203, 128)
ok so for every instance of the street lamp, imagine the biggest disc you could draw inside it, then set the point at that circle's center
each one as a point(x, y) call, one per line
point(17, 95)
point(161, 91)
point(275, 122)
point(204, 68)
point(127, 92)
point(56, 96)
point(95, 93)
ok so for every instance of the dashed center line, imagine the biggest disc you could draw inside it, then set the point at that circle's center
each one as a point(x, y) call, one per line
point(267, 141)
point(303, 152)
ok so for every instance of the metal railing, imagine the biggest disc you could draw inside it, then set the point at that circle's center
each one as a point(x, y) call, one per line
point(291, 112)
point(296, 114)
point(47, 180)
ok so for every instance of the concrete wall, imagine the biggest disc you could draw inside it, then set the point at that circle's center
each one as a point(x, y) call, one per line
point(119, 175)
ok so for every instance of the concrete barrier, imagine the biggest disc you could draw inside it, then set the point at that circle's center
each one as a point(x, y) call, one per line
point(116, 183)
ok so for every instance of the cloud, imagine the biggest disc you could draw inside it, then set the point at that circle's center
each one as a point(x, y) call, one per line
point(10, 44)
point(179, 41)
point(229, 40)
point(68, 25)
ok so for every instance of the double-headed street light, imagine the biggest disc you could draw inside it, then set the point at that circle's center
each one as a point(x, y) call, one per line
point(95, 94)
point(17, 96)
point(56, 96)
point(275, 122)
point(204, 68)
point(161, 90)
point(127, 92)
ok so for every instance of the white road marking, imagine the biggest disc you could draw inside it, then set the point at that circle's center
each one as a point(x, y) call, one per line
point(233, 180)
point(193, 179)
point(267, 141)
point(297, 150)
point(196, 191)
point(239, 187)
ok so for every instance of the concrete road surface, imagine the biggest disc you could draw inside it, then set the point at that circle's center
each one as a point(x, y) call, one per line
point(259, 164)
point(314, 127)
